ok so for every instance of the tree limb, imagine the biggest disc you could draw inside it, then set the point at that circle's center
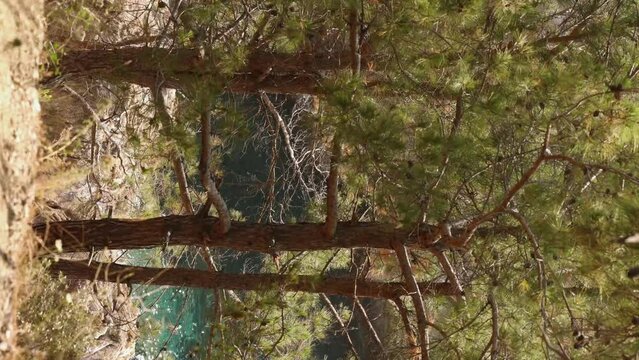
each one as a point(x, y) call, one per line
point(331, 192)
point(410, 334)
point(213, 195)
point(83, 235)
point(418, 302)
point(112, 272)
point(368, 322)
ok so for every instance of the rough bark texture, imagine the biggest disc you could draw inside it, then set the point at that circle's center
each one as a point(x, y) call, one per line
point(259, 282)
point(180, 68)
point(85, 235)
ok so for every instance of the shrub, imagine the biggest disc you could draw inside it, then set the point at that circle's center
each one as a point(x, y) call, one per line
point(55, 321)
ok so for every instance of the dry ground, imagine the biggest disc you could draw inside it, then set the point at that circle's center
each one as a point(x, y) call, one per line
point(21, 36)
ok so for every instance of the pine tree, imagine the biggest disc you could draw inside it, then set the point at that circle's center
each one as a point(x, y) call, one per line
point(491, 144)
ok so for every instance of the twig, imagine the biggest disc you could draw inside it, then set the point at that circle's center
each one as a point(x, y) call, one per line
point(418, 302)
point(368, 322)
point(285, 134)
point(626, 175)
point(330, 306)
point(410, 334)
point(331, 192)
point(449, 271)
point(494, 339)
point(282, 333)
point(542, 280)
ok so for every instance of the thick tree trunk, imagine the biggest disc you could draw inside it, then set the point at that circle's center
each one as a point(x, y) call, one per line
point(180, 68)
point(250, 282)
point(87, 235)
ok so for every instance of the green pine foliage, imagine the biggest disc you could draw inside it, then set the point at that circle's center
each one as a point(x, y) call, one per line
point(452, 107)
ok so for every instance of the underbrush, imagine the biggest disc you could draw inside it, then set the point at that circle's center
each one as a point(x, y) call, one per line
point(54, 320)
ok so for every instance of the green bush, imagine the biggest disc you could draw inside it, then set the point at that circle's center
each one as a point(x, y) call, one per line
point(55, 321)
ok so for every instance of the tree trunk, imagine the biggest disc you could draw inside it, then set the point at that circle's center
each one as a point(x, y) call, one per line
point(189, 230)
point(180, 68)
point(249, 282)
point(87, 235)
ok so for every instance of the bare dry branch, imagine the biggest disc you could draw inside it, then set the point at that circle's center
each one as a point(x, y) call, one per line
point(281, 125)
point(330, 306)
point(180, 174)
point(368, 322)
point(354, 36)
point(494, 339)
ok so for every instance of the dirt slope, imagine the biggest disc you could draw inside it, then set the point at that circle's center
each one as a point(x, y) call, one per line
point(21, 36)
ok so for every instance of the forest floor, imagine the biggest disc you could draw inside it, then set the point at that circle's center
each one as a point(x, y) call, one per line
point(20, 49)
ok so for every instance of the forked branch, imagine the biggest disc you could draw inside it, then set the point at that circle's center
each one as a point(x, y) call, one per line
point(281, 125)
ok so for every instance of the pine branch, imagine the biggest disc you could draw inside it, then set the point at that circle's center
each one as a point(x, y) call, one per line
point(543, 283)
point(331, 192)
point(117, 273)
point(418, 302)
point(461, 242)
point(410, 334)
point(180, 174)
point(449, 271)
point(213, 195)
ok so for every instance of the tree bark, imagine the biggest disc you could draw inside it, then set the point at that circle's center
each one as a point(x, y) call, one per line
point(180, 68)
point(249, 282)
point(87, 235)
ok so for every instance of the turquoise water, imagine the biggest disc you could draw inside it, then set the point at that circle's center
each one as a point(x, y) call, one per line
point(183, 315)
point(244, 166)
